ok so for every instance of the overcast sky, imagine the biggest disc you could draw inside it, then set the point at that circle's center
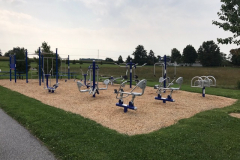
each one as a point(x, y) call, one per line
point(80, 28)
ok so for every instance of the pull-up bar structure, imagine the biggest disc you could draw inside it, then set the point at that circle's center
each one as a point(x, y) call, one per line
point(13, 66)
point(41, 66)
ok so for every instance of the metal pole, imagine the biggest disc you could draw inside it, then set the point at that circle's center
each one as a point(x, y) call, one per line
point(93, 66)
point(165, 70)
point(10, 58)
point(130, 73)
point(52, 69)
point(15, 66)
point(47, 66)
point(26, 56)
point(68, 68)
point(42, 70)
point(203, 91)
point(56, 66)
point(39, 66)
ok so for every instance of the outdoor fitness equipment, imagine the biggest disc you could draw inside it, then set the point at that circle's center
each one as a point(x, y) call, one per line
point(142, 85)
point(13, 65)
point(12, 60)
point(92, 88)
point(202, 82)
point(84, 78)
point(160, 88)
point(65, 70)
point(131, 66)
point(164, 81)
point(41, 65)
point(112, 79)
point(163, 62)
point(46, 86)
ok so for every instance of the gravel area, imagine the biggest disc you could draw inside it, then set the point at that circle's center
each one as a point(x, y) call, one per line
point(150, 115)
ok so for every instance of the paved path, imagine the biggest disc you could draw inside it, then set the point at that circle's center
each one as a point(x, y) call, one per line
point(16, 143)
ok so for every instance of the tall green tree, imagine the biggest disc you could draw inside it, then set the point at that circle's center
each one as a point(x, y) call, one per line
point(128, 59)
point(230, 21)
point(151, 58)
point(8, 53)
point(109, 59)
point(189, 54)
point(175, 55)
point(45, 48)
point(120, 60)
point(209, 54)
point(48, 62)
point(225, 60)
point(0, 52)
point(20, 60)
point(235, 56)
point(140, 55)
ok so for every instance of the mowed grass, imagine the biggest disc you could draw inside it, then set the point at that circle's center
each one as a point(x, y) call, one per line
point(208, 135)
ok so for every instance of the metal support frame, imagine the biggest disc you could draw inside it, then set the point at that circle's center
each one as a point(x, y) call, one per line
point(131, 67)
point(39, 66)
point(26, 61)
point(68, 68)
point(203, 82)
point(56, 65)
point(12, 60)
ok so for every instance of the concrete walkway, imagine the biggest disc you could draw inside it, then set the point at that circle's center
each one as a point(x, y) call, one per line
point(16, 143)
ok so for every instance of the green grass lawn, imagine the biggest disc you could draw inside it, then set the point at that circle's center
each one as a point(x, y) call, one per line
point(210, 134)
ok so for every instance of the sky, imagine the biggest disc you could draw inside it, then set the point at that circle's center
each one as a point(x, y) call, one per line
point(109, 28)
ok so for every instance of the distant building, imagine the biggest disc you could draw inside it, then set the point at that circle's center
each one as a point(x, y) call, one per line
point(197, 64)
point(90, 59)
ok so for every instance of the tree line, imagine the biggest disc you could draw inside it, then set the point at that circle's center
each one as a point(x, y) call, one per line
point(208, 55)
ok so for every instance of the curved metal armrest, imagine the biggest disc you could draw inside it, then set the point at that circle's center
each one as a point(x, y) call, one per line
point(142, 84)
point(106, 82)
point(197, 81)
point(120, 90)
point(79, 84)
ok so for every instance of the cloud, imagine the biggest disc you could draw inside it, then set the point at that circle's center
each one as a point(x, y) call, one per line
point(10, 15)
point(107, 25)
point(103, 7)
point(14, 2)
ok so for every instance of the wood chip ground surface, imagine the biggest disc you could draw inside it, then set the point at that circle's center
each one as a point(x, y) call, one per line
point(150, 115)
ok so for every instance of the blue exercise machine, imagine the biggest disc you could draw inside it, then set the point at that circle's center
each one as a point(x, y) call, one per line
point(120, 94)
point(164, 81)
point(160, 88)
point(132, 67)
point(13, 65)
point(12, 60)
point(47, 75)
point(92, 87)
point(50, 89)
point(84, 78)
point(46, 83)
